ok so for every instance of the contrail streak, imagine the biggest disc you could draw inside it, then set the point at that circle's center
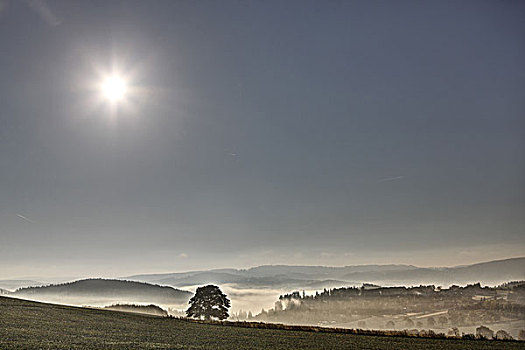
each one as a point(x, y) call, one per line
point(24, 218)
point(391, 178)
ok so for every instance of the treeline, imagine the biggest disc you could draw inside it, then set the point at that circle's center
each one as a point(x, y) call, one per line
point(151, 309)
point(400, 333)
point(368, 291)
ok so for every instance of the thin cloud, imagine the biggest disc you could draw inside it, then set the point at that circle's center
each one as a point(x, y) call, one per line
point(44, 12)
point(326, 255)
point(25, 218)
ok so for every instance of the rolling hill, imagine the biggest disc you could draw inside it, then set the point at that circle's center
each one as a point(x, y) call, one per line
point(30, 325)
point(102, 291)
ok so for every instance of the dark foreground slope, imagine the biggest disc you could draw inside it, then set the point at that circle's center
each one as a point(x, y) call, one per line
point(25, 324)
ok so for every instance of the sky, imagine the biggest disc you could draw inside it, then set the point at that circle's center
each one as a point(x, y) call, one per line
point(259, 132)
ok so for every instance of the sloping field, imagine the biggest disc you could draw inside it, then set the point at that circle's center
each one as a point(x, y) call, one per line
point(26, 325)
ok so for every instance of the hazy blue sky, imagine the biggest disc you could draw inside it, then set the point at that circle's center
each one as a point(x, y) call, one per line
point(260, 132)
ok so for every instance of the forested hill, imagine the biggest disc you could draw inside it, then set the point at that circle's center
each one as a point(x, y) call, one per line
point(107, 289)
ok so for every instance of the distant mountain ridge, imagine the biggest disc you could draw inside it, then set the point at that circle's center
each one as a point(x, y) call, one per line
point(299, 272)
point(285, 276)
point(489, 273)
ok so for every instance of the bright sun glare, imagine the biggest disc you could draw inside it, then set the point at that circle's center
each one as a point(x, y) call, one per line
point(114, 88)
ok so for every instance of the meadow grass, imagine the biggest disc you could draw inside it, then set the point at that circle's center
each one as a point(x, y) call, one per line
point(25, 324)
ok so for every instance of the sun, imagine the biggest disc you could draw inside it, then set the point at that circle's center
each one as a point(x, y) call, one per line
point(114, 88)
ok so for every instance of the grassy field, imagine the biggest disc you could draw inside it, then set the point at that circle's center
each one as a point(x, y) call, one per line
point(26, 325)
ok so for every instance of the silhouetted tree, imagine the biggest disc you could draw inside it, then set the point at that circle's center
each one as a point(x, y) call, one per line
point(209, 301)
